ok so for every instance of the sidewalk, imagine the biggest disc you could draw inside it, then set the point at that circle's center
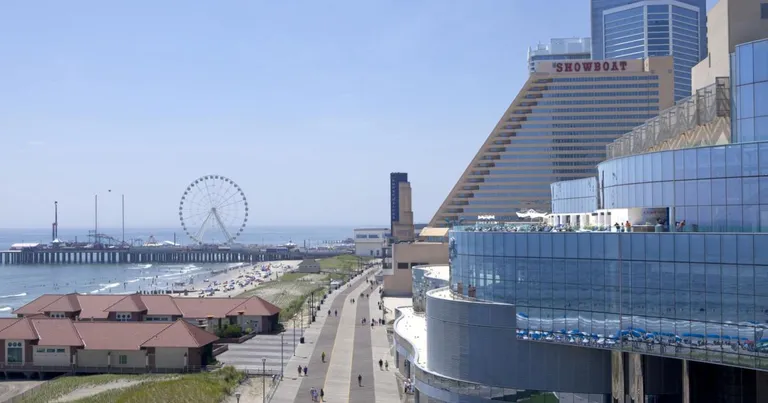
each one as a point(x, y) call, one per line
point(384, 380)
point(321, 336)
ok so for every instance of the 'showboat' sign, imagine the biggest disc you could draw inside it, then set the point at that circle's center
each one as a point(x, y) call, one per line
point(590, 66)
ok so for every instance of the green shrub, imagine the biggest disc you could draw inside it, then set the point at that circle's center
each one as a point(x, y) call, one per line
point(229, 331)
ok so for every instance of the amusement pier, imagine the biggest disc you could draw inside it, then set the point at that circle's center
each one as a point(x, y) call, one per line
point(197, 220)
point(38, 255)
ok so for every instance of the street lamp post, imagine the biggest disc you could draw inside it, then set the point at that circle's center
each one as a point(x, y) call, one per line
point(282, 356)
point(264, 380)
point(294, 335)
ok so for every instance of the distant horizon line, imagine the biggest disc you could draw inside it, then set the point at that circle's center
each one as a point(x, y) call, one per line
point(180, 229)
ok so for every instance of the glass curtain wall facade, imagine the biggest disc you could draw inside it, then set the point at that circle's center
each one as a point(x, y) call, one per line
point(749, 73)
point(647, 29)
point(695, 296)
point(597, 7)
point(556, 129)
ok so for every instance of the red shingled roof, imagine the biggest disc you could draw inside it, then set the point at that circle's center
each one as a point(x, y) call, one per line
point(255, 306)
point(19, 330)
point(130, 303)
point(160, 305)
point(67, 303)
point(37, 304)
point(117, 335)
point(56, 332)
point(105, 335)
point(98, 306)
point(181, 334)
point(94, 306)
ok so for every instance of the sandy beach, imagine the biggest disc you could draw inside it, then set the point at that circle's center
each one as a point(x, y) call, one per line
point(233, 282)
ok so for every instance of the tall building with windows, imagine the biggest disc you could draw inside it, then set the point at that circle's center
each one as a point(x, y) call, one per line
point(625, 29)
point(559, 49)
point(557, 127)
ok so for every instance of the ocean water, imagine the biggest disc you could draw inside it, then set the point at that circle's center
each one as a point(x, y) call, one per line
point(20, 284)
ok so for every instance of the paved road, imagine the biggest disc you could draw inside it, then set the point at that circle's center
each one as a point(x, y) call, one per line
point(248, 355)
point(349, 352)
point(317, 368)
point(363, 357)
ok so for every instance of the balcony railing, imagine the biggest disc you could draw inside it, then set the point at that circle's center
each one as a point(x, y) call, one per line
point(705, 106)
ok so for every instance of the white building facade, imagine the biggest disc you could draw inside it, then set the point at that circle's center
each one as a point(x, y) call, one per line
point(370, 241)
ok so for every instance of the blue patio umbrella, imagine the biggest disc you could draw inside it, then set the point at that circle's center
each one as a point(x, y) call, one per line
point(695, 335)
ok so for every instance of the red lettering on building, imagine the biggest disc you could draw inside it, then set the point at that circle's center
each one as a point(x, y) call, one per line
point(577, 67)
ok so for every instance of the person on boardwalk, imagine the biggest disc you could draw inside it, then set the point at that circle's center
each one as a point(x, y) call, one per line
point(335, 313)
point(305, 371)
point(386, 365)
point(322, 395)
point(359, 380)
point(381, 363)
point(323, 356)
point(299, 370)
point(313, 394)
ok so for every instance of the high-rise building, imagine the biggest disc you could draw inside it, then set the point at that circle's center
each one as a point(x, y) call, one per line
point(628, 29)
point(557, 127)
point(559, 49)
point(395, 178)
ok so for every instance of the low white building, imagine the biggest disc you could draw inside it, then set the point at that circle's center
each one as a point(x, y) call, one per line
point(370, 241)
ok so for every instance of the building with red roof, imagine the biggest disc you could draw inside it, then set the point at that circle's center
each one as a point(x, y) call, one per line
point(41, 344)
point(252, 313)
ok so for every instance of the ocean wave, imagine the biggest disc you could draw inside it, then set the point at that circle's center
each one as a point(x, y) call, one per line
point(105, 287)
point(23, 294)
point(6, 309)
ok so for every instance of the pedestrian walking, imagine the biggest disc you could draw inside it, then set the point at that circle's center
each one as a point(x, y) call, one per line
point(322, 395)
point(359, 380)
point(305, 371)
point(386, 365)
point(381, 363)
point(299, 370)
point(335, 312)
point(312, 394)
point(323, 356)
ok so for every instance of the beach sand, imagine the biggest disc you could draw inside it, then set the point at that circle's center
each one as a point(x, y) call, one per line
point(277, 268)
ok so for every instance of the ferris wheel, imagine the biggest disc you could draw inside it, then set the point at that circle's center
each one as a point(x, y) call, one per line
point(213, 209)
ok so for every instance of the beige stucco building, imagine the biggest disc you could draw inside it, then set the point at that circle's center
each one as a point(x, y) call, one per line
point(556, 129)
point(729, 23)
point(407, 251)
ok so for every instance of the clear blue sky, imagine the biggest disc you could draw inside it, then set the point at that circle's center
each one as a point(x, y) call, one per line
point(308, 105)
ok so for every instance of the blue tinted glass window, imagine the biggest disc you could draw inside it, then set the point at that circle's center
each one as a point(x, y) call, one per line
point(744, 53)
point(749, 190)
point(733, 160)
point(717, 158)
point(749, 165)
point(761, 128)
point(703, 163)
point(746, 130)
point(761, 98)
point(718, 191)
point(746, 101)
point(704, 192)
point(760, 50)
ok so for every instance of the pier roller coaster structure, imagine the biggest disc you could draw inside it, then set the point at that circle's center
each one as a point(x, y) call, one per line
point(216, 206)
